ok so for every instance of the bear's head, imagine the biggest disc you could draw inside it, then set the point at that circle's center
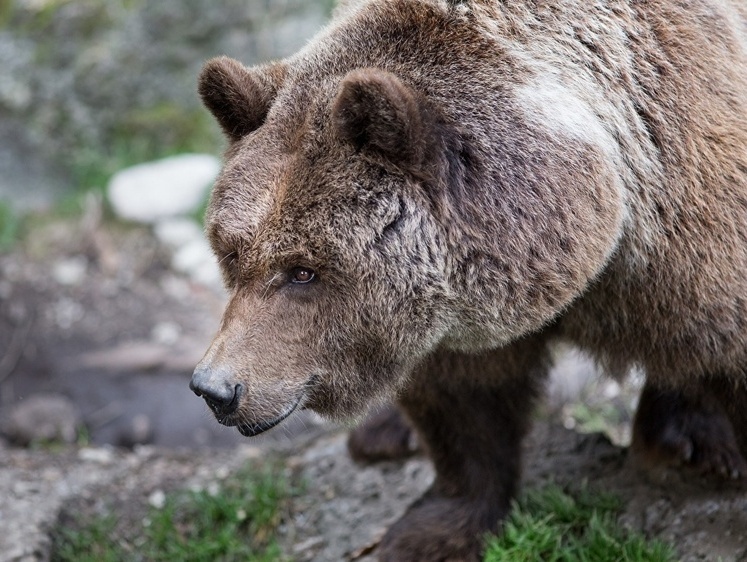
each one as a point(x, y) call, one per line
point(333, 261)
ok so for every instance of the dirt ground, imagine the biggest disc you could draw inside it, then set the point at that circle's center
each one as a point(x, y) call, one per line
point(90, 312)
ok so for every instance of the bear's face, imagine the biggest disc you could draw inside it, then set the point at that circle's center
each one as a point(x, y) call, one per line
point(326, 241)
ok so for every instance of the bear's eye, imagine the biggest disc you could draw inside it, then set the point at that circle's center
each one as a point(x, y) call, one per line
point(302, 275)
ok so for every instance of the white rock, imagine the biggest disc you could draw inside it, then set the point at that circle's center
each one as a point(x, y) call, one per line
point(192, 256)
point(166, 188)
point(70, 271)
point(196, 260)
point(176, 232)
point(157, 499)
point(208, 274)
point(96, 455)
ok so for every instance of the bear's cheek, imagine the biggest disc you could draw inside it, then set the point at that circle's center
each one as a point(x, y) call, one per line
point(363, 351)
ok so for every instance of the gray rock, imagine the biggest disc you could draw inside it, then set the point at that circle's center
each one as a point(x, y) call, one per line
point(170, 187)
point(42, 418)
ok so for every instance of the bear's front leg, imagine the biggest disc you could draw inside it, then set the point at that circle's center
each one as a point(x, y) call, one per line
point(471, 412)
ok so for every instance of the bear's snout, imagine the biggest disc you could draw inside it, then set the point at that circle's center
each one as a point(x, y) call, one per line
point(214, 387)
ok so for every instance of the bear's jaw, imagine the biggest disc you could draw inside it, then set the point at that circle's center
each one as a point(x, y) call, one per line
point(252, 429)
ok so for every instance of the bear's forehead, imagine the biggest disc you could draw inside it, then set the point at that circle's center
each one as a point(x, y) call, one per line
point(287, 202)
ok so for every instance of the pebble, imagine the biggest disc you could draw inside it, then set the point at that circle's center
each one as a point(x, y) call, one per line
point(157, 499)
point(97, 455)
point(70, 272)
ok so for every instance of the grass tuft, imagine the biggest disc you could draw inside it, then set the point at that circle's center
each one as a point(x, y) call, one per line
point(553, 526)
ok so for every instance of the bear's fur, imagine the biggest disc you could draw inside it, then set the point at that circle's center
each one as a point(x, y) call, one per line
point(417, 202)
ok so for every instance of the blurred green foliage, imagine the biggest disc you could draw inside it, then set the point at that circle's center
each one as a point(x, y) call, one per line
point(10, 226)
point(108, 84)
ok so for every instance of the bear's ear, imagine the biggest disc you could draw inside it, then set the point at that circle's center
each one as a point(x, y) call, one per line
point(376, 112)
point(237, 96)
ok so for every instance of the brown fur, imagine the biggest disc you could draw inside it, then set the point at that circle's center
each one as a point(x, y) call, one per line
point(466, 180)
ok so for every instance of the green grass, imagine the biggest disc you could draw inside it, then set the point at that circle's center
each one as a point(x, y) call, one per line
point(236, 522)
point(550, 525)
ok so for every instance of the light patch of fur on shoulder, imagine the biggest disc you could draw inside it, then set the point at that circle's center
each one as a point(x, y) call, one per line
point(546, 102)
point(549, 104)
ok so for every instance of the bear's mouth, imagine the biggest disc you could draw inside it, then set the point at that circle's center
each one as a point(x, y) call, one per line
point(253, 429)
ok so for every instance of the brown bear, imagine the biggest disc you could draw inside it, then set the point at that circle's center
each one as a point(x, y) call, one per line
point(421, 199)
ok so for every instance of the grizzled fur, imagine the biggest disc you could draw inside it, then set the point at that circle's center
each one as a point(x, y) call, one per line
point(459, 182)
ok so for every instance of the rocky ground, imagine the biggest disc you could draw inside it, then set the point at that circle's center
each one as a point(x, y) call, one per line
point(98, 337)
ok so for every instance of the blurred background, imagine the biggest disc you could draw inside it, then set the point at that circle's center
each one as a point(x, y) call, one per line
point(108, 292)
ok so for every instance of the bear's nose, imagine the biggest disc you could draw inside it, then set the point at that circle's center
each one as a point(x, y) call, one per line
point(220, 395)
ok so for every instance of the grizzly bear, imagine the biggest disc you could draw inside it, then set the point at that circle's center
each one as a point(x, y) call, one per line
point(414, 205)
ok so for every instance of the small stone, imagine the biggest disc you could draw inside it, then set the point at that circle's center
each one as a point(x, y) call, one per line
point(611, 390)
point(157, 499)
point(71, 271)
point(213, 489)
point(171, 187)
point(97, 455)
